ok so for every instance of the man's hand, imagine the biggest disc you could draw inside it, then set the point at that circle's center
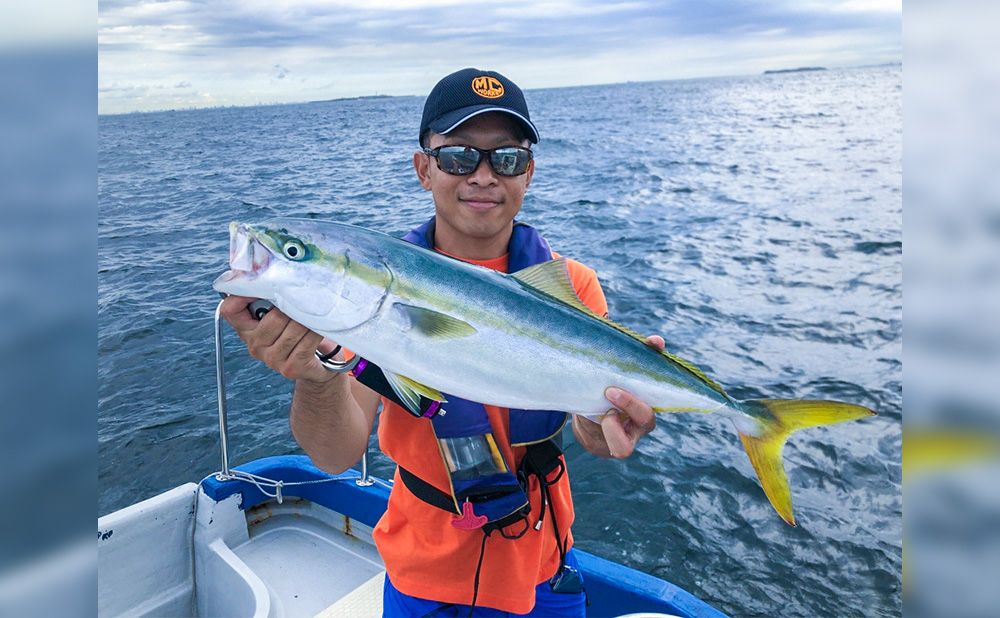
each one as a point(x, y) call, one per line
point(279, 342)
point(623, 425)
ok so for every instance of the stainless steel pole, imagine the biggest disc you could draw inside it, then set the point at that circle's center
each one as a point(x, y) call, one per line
point(365, 480)
point(220, 379)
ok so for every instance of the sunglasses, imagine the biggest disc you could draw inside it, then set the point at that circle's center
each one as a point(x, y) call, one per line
point(463, 160)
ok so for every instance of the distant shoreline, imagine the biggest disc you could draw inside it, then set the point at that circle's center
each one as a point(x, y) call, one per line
point(388, 96)
point(798, 70)
point(360, 98)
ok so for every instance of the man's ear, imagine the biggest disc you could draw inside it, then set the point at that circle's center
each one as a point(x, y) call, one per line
point(422, 164)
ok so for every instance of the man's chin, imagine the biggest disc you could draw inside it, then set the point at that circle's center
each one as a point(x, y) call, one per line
point(479, 224)
point(482, 230)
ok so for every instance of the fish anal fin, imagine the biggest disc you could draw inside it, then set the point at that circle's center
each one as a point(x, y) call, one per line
point(675, 409)
point(410, 391)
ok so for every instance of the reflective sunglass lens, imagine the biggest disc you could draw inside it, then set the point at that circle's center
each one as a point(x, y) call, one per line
point(510, 161)
point(459, 161)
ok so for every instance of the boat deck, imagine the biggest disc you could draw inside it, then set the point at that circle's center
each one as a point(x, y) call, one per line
point(309, 563)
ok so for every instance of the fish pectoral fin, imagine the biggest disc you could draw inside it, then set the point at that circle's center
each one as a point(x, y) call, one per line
point(410, 391)
point(778, 418)
point(434, 323)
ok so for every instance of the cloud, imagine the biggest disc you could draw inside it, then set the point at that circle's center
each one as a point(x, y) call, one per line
point(346, 48)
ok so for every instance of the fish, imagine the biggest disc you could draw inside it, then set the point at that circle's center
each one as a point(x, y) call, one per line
point(524, 340)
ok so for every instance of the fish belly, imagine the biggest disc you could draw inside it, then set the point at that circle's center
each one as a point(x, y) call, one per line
point(497, 368)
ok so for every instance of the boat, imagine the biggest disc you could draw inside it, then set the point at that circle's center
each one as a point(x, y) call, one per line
point(278, 537)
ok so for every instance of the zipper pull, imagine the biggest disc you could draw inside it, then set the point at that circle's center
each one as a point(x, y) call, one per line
point(541, 516)
point(468, 520)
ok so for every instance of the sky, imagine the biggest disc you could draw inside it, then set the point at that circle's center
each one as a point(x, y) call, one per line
point(176, 54)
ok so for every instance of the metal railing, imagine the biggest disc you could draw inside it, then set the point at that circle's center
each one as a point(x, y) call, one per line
point(220, 378)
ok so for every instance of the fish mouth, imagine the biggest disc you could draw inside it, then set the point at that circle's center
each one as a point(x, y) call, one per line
point(248, 256)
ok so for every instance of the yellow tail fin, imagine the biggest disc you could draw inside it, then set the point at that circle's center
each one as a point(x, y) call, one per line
point(778, 418)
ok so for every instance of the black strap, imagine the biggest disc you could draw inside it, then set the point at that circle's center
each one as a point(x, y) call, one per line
point(545, 484)
point(542, 458)
point(435, 497)
point(479, 568)
point(427, 492)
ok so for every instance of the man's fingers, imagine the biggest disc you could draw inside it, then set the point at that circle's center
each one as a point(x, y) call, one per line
point(234, 311)
point(656, 342)
point(306, 348)
point(269, 329)
point(620, 444)
point(326, 346)
point(303, 358)
point(638, 412)
point(282, 347)
point(281, 343)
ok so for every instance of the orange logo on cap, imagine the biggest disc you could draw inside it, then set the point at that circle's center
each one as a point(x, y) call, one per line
point(486, 86)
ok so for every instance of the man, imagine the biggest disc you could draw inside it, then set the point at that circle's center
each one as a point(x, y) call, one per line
point(475, 159)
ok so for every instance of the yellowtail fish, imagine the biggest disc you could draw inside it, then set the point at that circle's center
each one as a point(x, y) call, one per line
point(524, 340)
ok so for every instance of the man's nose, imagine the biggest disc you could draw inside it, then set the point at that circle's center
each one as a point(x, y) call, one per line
point(483, 174)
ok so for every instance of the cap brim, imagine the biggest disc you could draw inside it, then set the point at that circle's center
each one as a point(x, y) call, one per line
point(450, 121)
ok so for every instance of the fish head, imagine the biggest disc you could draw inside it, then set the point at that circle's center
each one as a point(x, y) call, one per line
point(327, 283)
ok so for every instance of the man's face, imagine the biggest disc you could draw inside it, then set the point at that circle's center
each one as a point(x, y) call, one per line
point(482, 205)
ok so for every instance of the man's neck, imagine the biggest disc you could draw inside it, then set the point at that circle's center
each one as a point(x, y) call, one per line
point(455, 243)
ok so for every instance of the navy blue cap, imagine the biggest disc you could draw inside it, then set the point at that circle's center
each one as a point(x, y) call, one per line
point(470, 92)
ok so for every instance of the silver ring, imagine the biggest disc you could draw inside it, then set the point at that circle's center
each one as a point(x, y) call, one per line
point(338, 366)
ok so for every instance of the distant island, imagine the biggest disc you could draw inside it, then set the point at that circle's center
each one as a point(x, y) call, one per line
point(798, 70)
point(363, 97)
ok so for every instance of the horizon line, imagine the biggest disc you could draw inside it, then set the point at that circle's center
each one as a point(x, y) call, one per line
point(393, 96)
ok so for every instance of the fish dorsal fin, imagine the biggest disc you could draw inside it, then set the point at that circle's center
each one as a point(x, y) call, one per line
point(409, 391)
point(552, 278)
point(434, 323)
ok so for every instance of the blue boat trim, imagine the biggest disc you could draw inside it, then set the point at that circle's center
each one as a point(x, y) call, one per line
point(613, 589)
point(364, 504)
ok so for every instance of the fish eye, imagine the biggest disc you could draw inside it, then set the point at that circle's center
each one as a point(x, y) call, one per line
point(294, 250)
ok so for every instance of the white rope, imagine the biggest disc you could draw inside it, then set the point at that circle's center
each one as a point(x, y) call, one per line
point(262, 481)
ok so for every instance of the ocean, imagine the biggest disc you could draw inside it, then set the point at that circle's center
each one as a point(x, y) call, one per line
point(754, 222)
